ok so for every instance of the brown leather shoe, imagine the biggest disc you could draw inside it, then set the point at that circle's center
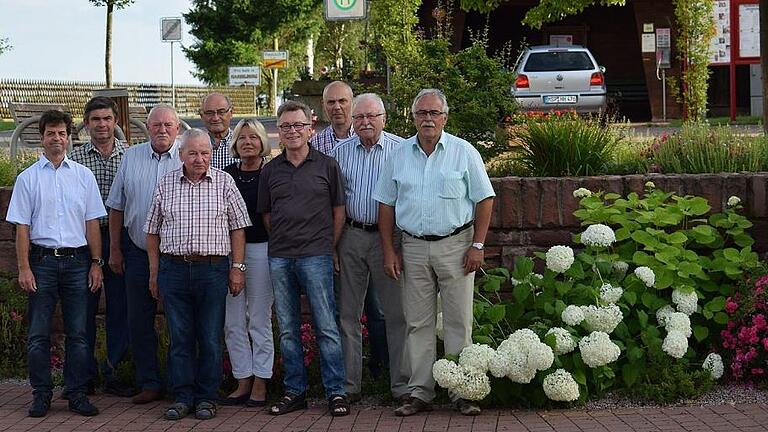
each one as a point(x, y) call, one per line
point(147, 396)
point(413, 406)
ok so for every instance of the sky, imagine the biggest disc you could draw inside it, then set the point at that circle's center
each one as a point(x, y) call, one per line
point(64, 40)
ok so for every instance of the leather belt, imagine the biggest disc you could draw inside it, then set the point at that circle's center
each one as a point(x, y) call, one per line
point(210, 259)
point(439, 237)
point(362, 226)
point(58, 252)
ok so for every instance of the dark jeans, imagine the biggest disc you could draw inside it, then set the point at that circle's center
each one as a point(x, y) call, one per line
point(315, 275)
point(141, 309)
point(377, 333)
point(65, 279)
point(194, 297)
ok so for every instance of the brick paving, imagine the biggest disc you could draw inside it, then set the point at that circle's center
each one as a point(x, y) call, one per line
point(118, 414)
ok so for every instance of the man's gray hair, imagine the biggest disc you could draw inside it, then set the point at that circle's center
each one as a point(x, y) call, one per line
point(163, 106)
point(429, 92)
point(192, 134)
point(372, 97)
point(226, 98)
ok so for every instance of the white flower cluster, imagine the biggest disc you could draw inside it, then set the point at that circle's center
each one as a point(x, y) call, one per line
point(468, 378)
point(733, 201)
point(678, 327)
point(610, 294)
point(663, 313)
point(447, 373)
point(520, 356)
point(598, 235)
point(582, 193)
point(602, 319)
point(475, 358)
point(559, 258)
point(714, 364)
point(564, 342)
point(572, 315)
point(686, 302)
point(646, 275)
point(473, 386)
point(675, 344)
point(650, 185)
point(560, 386)
point(620, 267)
point(678, 321)
point(598, 349)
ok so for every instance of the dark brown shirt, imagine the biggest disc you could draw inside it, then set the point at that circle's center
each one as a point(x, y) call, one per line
point(300, 203)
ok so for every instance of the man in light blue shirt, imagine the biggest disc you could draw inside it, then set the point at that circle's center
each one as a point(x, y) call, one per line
point(361, 158)
point(56, 207)
point(436, 187)
point(129, 201)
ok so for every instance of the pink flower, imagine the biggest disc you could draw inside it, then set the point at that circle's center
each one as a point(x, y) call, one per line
point(757, 371)
point(730, 306)
point(15, 316)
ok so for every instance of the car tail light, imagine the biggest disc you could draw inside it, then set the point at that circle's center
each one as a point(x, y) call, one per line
point(521, 81)
point(596, 79)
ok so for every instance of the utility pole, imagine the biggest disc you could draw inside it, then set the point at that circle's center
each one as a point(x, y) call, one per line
point(274, 86)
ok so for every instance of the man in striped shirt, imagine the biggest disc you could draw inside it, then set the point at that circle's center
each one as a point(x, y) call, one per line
point(360, 255)
point(337, 101)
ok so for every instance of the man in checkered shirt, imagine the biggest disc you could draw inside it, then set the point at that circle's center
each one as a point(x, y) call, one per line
point(337, 104)
point(216, 113)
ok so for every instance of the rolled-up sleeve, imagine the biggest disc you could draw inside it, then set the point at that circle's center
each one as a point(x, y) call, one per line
point(479, 184)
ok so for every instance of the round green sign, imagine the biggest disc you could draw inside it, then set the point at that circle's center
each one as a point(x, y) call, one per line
point(344, 4)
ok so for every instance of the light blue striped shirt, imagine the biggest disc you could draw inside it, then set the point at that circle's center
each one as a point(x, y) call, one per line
point(435, 194)
point(134, 185)
point(361, 168)
point(55, 203)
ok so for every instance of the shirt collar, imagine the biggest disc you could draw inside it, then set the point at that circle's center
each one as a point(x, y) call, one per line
point(377, 144)
point(440, 143)
point(117, 150)
point(44, 162)
point(350, 134)
point(172, 152)
point(182, 178)
point(224, 141)
point(310, 155)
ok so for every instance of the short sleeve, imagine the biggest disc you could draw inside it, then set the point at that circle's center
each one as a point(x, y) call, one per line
point(264, 203)
point(386, 187)
point(94, 206)
point(480, 186)
point(116, 197)
point(338, 196)
point(155, 214)
point(20, 207)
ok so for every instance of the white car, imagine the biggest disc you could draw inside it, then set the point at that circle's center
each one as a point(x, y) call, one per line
point(559, 78)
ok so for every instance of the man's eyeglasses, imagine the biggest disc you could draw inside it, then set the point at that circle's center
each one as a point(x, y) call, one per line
point(220, 112)
point(431, 113)
point(368, 117)
point(160, 125)
point(298, 127)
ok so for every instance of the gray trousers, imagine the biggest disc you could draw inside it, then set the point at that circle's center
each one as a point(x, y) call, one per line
point(362, 261)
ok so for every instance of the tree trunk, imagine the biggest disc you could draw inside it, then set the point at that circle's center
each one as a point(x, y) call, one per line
point(108, 48)
point(764, 58)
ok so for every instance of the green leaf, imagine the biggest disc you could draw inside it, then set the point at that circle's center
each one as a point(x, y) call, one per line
point(648, 299)
point(496, 313)
point(630, 297)
point(721, 318)
point(716, 304)
point(622, 234)
point(645, 239)
point(699, 206)
point(708, 314)
point(677, 238)
point(664, 278)
point(521, 292)
point(642, 258)
point(576, 271)
point(523, 267)
point(482, 339)
point(630, 373)
point(642, 317)
point(731, 254)
point(580, 377)
point(491, 284)
point(700, 333)
point(635, 353)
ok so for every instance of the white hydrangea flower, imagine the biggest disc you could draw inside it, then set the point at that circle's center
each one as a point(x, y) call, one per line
point(559, 258)
point(598, 235)
point(520, 356)
point(582, 193)
point(678, 321)
point(560, 386)
point(524, 337)
point(498, 364)
point(620, 266)
point(610, 293)
point(439, 329)
point(447, 373)
point(663, 313)
point(598, 349)
point(714, 364)
point(733, 201)
point(686, 302)
point(564, 342)
point(650, 185)
point(572, 315)
point(473, 386)
point(514, 281)
point(602, 319)
point(646, 275)
point(537, 276)
point(675, 344)
point(475, 358)
point(540, 356)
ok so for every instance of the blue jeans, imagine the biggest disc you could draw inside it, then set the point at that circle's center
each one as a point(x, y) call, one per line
point(315, 275)
point(141, 309)
point(65, 279)
point(194, 297)
point(377, 333)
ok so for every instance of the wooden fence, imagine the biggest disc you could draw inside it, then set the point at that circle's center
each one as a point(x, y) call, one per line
point(74, 94)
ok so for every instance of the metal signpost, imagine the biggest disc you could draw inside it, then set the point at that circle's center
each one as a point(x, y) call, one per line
point(274, 60)
point(170, 31)
point(345, 9)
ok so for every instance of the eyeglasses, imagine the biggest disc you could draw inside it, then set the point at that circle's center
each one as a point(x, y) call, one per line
point(368, 117)
point(168, 125)
point(431, 113)
point(220, 112)
point(298, 127)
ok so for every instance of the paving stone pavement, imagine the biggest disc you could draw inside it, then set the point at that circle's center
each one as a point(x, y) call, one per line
point(118, 414)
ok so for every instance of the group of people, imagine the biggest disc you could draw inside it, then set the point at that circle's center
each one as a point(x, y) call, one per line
point(355, 218)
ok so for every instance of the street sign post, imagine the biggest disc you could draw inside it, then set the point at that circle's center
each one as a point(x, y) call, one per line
point(244, 75)
point(274, 59)
point(170, 31)
point(345, 9)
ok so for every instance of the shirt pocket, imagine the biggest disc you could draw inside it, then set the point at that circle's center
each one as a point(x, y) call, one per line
point(453, 186)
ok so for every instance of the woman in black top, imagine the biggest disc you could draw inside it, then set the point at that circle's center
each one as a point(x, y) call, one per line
point(250, 313)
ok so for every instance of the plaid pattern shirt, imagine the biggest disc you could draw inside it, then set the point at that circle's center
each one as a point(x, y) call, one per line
point(326, 140)
point(103, 169)
point(221, 156)
point(196, 218)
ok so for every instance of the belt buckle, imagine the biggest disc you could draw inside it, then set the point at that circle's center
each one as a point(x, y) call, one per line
point(56, 253)
point(185, 258)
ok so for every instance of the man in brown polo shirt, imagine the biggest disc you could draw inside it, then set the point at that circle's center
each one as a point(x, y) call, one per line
point(197, 217)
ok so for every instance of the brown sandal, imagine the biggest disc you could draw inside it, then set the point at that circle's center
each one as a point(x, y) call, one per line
point(289, 403)
point(338, 406)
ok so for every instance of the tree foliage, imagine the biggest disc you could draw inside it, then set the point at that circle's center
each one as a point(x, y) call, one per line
point(393, 22)
point(111, 6)
point(546, 11)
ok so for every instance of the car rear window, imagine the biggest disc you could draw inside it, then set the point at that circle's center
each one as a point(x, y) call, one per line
point(558, 61)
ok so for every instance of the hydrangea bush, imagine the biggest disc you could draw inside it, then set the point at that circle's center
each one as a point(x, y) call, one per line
point(744, 341)
point(652, 276)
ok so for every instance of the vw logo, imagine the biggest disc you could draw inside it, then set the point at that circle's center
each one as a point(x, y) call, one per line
point(559, 77)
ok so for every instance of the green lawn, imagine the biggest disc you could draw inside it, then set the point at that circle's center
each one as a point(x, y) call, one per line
point(6, 125)
point(724, 121)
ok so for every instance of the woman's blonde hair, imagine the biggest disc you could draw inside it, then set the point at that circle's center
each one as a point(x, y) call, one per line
point(261, 132)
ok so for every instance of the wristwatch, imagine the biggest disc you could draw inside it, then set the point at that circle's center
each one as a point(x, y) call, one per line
point(478, 246)
point(240, 266)
point(98, 261)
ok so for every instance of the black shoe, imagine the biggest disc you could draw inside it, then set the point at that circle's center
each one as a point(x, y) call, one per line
point(116, 388)
point(233, 401)
point(41, 403)
point(91, 388)
point(82, 406)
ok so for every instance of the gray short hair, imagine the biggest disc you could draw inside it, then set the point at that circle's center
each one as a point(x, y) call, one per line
point(256, 125)
point(292, 105)
point(336, 83)
point(429, 92)
point(163, 106)
point(373, 97)
point(226, 98)
point(192, 134)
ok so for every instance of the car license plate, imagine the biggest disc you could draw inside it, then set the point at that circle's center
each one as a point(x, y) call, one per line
point(570, 99)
